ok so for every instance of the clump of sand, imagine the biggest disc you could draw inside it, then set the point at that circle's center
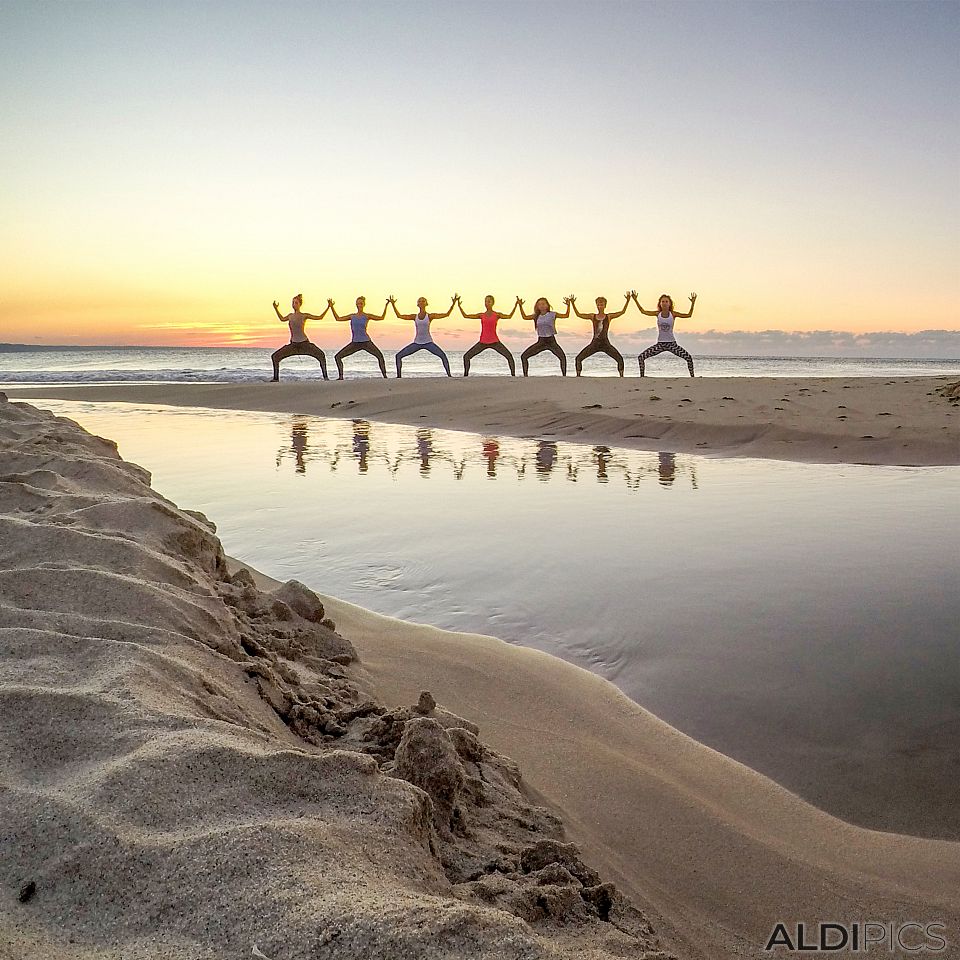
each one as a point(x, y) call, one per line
point(192, 766)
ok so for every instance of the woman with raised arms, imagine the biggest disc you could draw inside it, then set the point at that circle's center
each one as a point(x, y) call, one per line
point(601, 332)
point(545, 323)
point(360, 339)
point(299, 344)
point(488, 333)
point(422, 339)
point(665, 337)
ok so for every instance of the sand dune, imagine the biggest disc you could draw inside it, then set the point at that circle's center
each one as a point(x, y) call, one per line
point(191, 766)
point(905, 421)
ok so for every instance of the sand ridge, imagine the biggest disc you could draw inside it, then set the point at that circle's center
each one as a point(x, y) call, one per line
point(910, 421)
point(192, 766)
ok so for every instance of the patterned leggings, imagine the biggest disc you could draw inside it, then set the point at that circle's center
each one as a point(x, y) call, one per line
point(367, 346)
point(672, 347)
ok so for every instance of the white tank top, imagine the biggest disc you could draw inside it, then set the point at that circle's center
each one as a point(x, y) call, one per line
point(665, 328)
point(547, 324)
point(421, 326)
point(296, 321)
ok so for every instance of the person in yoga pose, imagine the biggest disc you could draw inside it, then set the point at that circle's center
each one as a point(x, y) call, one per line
point(665, 338)
point(601, 332)
point(422, 340)
point(360, 339)
point(488, 333)
point(299, 344)
point(545, 323)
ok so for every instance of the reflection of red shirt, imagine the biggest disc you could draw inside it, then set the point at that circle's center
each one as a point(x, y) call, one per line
point(488, 327)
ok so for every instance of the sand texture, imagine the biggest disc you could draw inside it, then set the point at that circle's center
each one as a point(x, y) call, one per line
point(906, 421)
point(192, 766)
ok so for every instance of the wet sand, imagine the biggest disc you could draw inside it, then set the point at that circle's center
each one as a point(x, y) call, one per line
point(907, 421)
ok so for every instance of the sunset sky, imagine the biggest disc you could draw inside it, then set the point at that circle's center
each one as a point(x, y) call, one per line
point(167, 170)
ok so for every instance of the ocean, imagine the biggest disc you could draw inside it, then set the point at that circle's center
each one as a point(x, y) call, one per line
point(62, 365)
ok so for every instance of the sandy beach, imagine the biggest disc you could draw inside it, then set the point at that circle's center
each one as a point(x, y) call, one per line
point(178, 721)
point(909, 421)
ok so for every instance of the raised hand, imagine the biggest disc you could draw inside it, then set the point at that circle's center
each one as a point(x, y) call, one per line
point(331, 302)
point(572, 298)
point(520, 302)
point(454, 298)
point(276, 304)
point(693, 297)
point(630, 293)
point(391, 299)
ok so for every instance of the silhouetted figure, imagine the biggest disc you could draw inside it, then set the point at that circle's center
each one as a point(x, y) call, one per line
point(360, 339)
point(545, 323)
point(299, 344)
point(665, 338)
point(601, 333)
point(425, 449)
point(604, 456)
point(488, 334)
point(422, 338)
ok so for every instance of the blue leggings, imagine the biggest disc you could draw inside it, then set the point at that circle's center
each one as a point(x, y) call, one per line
point(412, 348)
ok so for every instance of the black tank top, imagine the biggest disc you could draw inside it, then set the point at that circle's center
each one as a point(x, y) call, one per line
point(601, 327)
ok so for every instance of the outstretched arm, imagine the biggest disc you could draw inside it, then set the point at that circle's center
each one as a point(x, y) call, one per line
point(693, 303)
point(333, 310)
point(393, 303)
point(566, 313)
point(439, 316)
point(467, 316)
point(646, 313)
point(276, 309)
point(620, 313)
point(313, 316)
point(370, 316)
point(507, 316)
point(523, 313)
point(573, 303)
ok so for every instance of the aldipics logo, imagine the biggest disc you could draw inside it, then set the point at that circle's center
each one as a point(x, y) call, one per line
point(874, 937)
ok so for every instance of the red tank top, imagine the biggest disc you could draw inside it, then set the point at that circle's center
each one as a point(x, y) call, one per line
point(488, 327)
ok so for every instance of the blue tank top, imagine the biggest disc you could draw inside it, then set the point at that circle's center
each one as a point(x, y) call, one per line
point(358, 327)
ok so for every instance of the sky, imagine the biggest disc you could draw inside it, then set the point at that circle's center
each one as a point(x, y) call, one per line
point(167, 170)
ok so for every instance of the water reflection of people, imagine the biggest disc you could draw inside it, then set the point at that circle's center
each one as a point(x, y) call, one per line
point(299, 445)
point(491, 453)
point(361, 443)
point(603, 456)
point(667, 468)
point(546, 458)
point(425, 449)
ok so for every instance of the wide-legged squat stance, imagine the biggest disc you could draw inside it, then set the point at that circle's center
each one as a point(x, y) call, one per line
point(665, 338)
point(360, 339)
point(488, 333)
point(601, 332)
point(422, 339)
point(545, 323)
point(299, 344)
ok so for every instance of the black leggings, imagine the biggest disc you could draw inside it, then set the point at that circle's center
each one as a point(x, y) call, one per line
point(672, 347)
point(303, 348)
point(366, 346)
point(600, 346)
point(478, 348)
point(543, 343)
